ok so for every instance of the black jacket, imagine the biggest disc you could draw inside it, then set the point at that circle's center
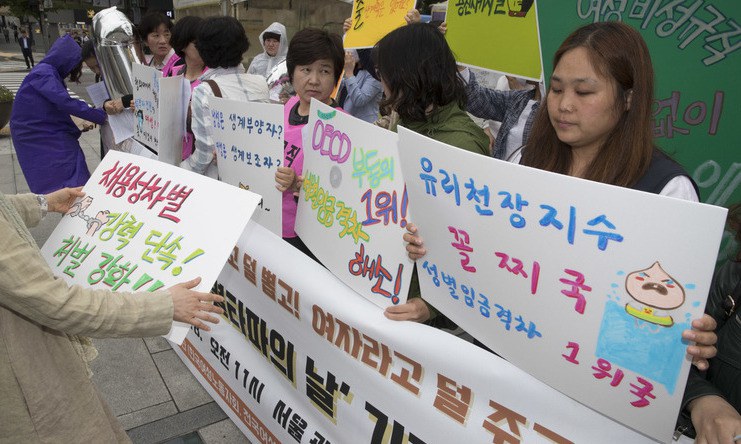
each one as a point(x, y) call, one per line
point(723, 377)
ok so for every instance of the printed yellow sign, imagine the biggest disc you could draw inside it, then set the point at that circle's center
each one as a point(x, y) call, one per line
point(373, 19)
point(501, 35)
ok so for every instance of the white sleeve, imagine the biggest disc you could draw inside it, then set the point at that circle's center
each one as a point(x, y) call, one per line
point(201, 124)
point(465, 75)
point(680, 187)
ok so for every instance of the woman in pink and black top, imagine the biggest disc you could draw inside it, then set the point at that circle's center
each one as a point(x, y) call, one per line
point(315, 59)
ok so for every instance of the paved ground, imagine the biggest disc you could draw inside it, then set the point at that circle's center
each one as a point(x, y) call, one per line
point(146, 384)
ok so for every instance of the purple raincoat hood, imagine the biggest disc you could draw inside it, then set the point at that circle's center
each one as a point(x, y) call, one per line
point(65, 54)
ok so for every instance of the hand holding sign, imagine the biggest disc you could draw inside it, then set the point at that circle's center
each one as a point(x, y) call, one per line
point(192, 307)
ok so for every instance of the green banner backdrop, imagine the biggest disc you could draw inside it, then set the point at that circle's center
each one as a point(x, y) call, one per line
point(694, 48)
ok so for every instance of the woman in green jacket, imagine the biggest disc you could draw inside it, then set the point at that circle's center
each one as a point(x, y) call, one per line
point(421, 84)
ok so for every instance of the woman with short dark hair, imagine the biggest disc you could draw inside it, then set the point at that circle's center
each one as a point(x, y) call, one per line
point(155, 30)
point(188, 62)
point(314, 61)
point(221, 42)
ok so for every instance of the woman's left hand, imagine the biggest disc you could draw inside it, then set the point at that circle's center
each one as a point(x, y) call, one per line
point(413, 16)
point(415, 245)
point(703, 334)
point(414, 310)
point(60, 201)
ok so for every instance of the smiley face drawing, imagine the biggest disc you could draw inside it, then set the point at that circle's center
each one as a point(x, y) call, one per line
point(655, 290)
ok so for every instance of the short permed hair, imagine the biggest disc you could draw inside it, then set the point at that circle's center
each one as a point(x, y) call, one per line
point(184, 32)
point(312, 44)
point(221, 42)
point(151, 21)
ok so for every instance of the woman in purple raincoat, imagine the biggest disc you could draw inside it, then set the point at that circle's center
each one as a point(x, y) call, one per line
point(44, 136)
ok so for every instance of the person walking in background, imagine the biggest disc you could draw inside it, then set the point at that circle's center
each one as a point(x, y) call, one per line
point(15, 33)
point(26, 48)
point(44, 135)
point(6, 33)
point(275, 44)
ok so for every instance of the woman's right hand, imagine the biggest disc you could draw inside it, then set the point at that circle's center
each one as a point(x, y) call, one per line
point(193, 307)
point(346, 25)
point(285, 178)
point(415, 243)
point(113, 106)
point(714, 419)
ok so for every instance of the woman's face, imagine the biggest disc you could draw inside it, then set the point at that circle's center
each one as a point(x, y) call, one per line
point(92, 63)
point(158, 41)
point(192, 56)
point(386, 89)
point(315, 80)
point(581, 103)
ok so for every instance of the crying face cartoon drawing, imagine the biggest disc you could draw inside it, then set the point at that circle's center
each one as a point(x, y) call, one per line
point(655, 290)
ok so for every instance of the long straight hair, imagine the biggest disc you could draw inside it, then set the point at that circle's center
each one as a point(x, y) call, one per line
point(618, 53)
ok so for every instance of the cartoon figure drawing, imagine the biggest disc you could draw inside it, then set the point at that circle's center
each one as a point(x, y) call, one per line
point(79, 207)
point(140, 121)
point(654, 289)
point(93, 224)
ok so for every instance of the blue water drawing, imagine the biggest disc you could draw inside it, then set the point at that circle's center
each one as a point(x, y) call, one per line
point(650, 350)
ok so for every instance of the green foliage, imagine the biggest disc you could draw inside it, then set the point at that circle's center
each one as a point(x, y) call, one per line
point(21, 8)
point(5, 94)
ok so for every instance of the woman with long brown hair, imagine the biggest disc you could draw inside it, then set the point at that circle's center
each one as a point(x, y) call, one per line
point(595, 122)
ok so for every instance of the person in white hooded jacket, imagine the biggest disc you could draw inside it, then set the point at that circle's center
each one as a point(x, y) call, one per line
point(274, 41)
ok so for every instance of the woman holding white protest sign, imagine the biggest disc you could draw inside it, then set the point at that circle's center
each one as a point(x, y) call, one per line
point(595, 123)
point(45, 386)
point(421, 84)
point(314, 61)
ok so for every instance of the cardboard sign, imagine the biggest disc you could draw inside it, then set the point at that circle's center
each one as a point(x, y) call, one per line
point(158, 126)
point(584, 285)
point(373, 19)
point(249, 144)
point(352, 208)
point(497, 35)
point(144, 226)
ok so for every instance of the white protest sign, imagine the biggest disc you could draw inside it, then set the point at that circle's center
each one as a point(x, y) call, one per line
point(144, 225)
point(586, 286)
point(310, 369)
point(249, 144)
point(158, 112)
point(353, 204)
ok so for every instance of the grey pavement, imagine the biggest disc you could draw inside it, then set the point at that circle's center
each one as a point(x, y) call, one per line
point(149, 389)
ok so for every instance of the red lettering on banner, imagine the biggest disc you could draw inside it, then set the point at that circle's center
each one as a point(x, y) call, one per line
point(226, 393)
